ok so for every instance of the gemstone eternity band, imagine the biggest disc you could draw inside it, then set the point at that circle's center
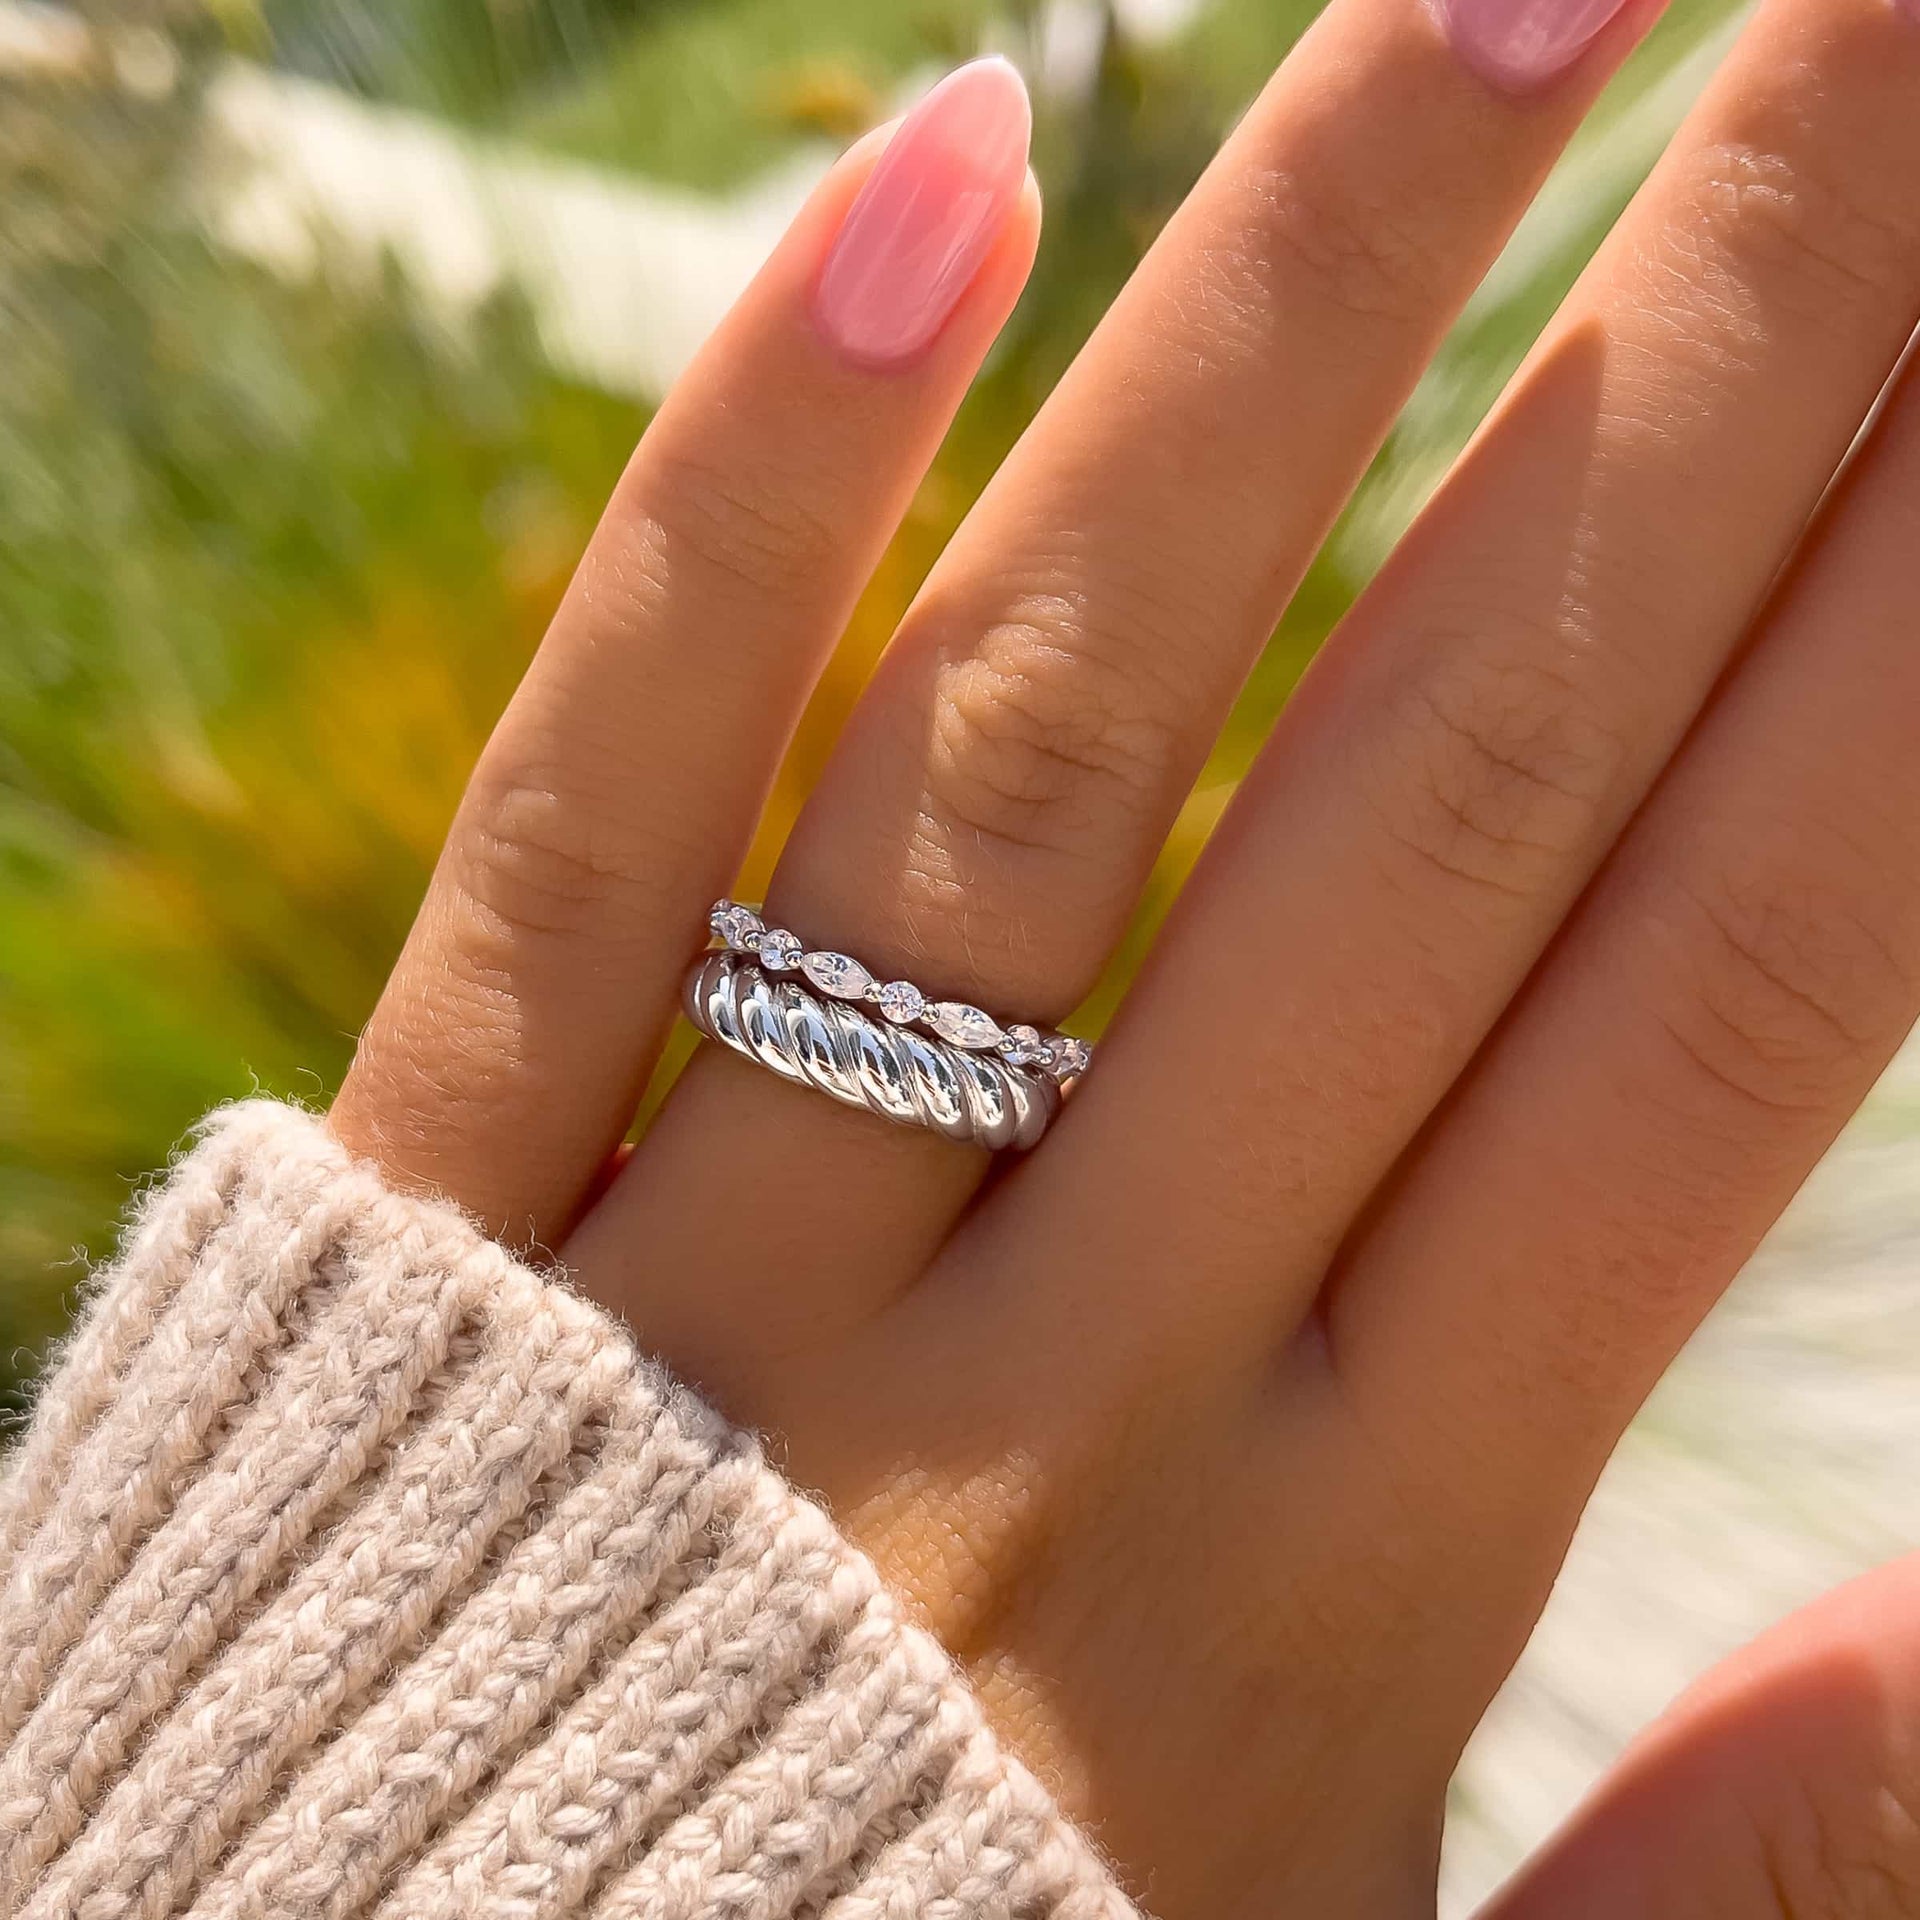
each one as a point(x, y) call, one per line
point(823, 1020)
point(840, 977)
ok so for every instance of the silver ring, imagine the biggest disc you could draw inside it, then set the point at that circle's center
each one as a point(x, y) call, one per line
point(840, 977)
point(913, 1078)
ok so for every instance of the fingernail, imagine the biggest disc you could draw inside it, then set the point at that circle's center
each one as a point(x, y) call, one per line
point(926, 218)
point(1519, 45)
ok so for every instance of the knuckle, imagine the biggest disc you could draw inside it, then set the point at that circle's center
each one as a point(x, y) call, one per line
point(1493, 769)
point(538, 857)
point(1040, 745)
point(1810, 236)
point(1787, 985)
point(1371, 258)
point(752, 531)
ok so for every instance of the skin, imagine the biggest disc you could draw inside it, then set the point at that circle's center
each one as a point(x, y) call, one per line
point(1233, 1438)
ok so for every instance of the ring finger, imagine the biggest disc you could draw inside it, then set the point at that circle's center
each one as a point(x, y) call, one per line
point(1007, 782)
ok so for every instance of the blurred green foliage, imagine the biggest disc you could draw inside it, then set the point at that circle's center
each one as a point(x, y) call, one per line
point(272, 555)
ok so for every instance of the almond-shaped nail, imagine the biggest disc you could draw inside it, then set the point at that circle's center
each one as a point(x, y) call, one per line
point(927, 217)
point(1521, 45)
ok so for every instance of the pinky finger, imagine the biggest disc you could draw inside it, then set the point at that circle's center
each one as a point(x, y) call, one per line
point(618, 793)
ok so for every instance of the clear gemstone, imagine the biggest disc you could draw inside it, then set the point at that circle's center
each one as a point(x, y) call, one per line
point(779, 950)
point(901, 1001)
point(963, 1025)
point(738, 926)
point(1069, 1057)
point(1023, 1047)
point(837, 974)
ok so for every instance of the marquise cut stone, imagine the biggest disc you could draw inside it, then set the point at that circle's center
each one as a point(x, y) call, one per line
point(964, 1026)
point(838, 974)
point(1071, 1057)
point(738, 926)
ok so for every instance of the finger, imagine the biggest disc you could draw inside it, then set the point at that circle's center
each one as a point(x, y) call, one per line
point(1783, 1784)
point(1455, 769)
point(1722, 1001)
point(1007, 782)
point(617, 795)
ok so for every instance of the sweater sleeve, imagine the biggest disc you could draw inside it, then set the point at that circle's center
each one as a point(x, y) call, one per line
point(351, 1567)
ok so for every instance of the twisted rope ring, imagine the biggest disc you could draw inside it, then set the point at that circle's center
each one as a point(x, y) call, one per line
point(903, 1076)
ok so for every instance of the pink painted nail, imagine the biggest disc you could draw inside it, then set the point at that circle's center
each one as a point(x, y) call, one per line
point(927, 217)
point(1519, 45)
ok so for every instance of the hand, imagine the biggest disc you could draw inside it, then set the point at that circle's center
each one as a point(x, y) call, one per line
point(1231, 1440)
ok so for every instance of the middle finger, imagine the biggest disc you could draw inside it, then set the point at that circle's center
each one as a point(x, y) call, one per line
point(1498, 703)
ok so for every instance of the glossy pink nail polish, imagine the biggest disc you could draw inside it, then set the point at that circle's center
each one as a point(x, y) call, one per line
point(1520, 45)
point(926, 218)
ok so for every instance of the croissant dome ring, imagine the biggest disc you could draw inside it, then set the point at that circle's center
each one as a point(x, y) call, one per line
point(940, 1064)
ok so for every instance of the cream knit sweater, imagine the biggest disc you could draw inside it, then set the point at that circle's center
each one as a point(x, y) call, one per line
point(351, 1567)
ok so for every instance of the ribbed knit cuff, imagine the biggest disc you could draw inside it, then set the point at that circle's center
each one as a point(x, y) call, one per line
point(351, 1567)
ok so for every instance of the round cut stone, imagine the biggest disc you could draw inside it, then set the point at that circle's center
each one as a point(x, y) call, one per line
point(901, 1001)
point(1023, 1047)
point(738, 926)
point(779, 950)
point(838, 974)
point(964, 1026)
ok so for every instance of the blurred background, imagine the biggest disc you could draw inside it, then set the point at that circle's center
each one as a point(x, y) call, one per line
point(325, 326)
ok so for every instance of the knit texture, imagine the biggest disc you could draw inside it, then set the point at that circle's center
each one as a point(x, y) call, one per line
point(351, 1567)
